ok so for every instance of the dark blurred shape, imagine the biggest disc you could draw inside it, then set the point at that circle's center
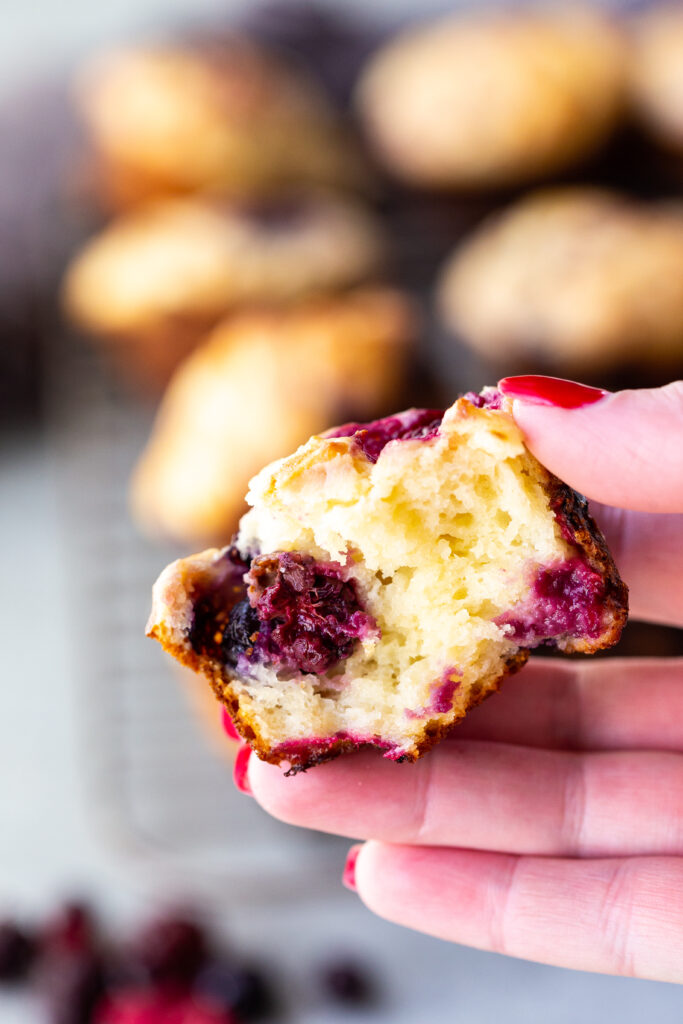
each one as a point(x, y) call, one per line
point(17, 952)
point(73, 930)
point(331, 43)
point(73, 984)
point(242, 990)
point(37, 231)
point(346, 981)
point(172, 950)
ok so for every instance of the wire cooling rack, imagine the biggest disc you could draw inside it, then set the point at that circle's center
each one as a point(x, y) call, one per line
point(154, 784)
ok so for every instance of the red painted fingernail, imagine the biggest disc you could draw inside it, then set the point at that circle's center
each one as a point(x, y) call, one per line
point(228, 725)
point(241, 769)
point(564, 394)
point(349, 873)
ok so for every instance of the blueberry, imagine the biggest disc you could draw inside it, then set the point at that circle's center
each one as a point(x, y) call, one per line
point(235, 989)
point(17, 951)
point(347, 982)
point(237, 637)
point(172, 950)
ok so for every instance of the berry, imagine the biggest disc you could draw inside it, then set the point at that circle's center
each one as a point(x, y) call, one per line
point(172, 950)
point(71, 931)
point(17, 951)
point(236, 989)
point(309, 616)
point(347, 982)
point(371, 438)
point(135, 1006)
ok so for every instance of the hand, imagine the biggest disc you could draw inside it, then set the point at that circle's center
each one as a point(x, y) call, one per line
point(550, 825)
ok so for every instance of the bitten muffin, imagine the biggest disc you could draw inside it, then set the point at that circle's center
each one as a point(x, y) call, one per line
point(490, 99)
point(656, 73)
point(163, 274)
point(386, 579)
point(224, 116)
point(579, 280)
point(258, 388)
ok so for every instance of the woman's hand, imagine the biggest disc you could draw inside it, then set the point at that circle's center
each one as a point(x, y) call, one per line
point(550, 825)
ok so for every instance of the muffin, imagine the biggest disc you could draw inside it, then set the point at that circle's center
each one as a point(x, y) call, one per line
point(162, 275)
point(577, 280)
point(656, 73)
point(493, 99)
point(258, 388)
point(386, 579)
point(224, 116)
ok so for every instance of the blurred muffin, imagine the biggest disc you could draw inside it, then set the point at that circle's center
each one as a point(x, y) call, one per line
point(656, 73)
point(163, 274)
point(263, 383)
point(490, 99)
point(224, 116)
point(580, 280)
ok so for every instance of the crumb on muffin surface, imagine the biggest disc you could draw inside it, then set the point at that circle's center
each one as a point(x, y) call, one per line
point(435, 561)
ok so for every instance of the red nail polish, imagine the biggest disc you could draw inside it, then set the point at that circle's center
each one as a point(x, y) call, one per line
point(228, 725)
point(241, 769)
point(349, 874)
point(563, 394)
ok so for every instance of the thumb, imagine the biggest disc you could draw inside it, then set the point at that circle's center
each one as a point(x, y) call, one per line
point(623, 449)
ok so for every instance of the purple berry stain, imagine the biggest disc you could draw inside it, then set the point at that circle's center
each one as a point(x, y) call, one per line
point(371, 438)
point(567, 601)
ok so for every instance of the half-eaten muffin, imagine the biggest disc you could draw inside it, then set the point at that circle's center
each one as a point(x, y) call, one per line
point(385, 580)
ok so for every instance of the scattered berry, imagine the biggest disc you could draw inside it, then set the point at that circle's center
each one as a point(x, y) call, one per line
point(71, 931)
point(235, 989)
point(17, 951)
point(172, 950)
point(139, 1007)
point(347, 982)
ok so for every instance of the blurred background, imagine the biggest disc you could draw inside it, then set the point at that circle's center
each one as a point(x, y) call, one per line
point(224, 227)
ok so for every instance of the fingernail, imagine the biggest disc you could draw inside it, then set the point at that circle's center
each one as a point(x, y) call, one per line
point(240, 772)
point(349, 873)
point(228, 725)
point(564, 394)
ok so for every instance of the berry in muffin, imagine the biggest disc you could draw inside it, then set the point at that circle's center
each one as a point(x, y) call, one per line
point(386, 579)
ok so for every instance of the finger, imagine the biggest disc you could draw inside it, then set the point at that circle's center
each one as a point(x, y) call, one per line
point(613, 916)
point(623, 450)
point(493, 796)
point(615, 704)
point(646, 548)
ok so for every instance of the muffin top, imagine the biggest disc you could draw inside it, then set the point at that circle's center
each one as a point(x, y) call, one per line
point(656, 72)
point(262, 383)
point(495, 98)
point(188, 258)
point(223, 115)
point(579, 277)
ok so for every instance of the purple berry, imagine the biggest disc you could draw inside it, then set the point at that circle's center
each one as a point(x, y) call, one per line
point(235, 989)
point(347, 982)
point(372, 438)
point(172, 950)
point(309, 616)
point(17, 951)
